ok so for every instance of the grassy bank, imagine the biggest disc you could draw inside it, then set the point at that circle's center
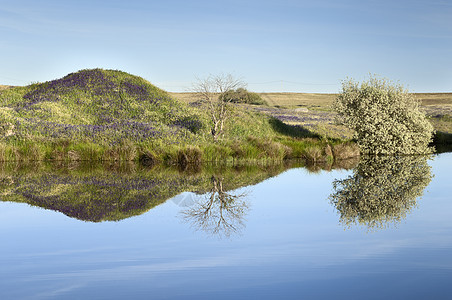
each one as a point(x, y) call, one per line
point(250, 150)
point(103, 115)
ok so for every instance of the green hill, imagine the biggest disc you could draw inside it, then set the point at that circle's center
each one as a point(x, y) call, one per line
point(101, 114)
point(105, 107)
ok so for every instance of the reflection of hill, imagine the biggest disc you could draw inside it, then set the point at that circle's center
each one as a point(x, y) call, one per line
point(381, 190)
point(109, 194)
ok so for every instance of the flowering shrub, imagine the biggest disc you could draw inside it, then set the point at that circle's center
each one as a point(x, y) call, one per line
point(386, 119)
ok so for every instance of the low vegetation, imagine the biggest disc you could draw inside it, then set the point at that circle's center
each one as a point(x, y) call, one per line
point(241, 95)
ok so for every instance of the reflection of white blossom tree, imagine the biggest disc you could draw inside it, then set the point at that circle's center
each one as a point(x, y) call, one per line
point(381, 190)
point(222, 213)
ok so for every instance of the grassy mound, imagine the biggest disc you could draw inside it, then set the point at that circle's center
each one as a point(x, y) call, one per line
point(104, 107)
point(111, 115)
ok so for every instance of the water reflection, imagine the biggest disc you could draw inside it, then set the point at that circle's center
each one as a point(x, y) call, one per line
point(88, 193)
point(381, 191)
point(220, 213)
point(114, 192)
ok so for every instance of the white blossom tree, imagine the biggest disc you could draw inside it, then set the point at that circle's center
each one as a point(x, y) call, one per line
point(385, 117)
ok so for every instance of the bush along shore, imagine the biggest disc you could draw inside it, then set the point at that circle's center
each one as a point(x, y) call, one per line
point(106, 115)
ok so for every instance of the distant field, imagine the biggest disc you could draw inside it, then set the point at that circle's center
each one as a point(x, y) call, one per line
point(299, 100)
point(2, 87)
point(322, 101)
point(435, 98)
point(287, 100)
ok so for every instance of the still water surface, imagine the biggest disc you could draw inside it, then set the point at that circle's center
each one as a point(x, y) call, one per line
point(297, 235)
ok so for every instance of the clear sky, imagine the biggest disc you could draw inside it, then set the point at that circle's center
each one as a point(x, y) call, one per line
point(280, 45)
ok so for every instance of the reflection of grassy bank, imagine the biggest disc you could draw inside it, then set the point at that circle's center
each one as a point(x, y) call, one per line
point(116, 191)
point(442, 142)
point(443, 136)
point(111, 192)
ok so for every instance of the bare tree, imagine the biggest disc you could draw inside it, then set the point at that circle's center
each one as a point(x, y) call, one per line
point(221, 214)
point(210, 90)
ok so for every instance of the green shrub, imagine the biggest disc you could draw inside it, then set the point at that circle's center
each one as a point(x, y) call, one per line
point(241, 95)
point(385, 118)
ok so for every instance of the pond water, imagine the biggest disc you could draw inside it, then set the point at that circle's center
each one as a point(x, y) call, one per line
point(381, 230)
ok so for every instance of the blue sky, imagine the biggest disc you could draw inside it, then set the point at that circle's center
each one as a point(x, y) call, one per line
point(284, 45)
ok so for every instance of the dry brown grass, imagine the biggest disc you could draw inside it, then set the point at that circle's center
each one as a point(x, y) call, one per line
point(185, 97)
point(290, 100)
point(434, 98)
point(320, 101)
point(345, 151)
point(189, 155)
point(4, 87)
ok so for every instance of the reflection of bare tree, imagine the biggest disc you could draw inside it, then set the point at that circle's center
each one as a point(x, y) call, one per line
point(221, 213)
point(381, 190)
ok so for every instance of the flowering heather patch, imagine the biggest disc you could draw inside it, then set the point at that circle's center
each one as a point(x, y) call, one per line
point(192, 123)
point(435, 110)
point(287, 118)
point(92, 80)
point(293, 116)
point(320, 122)
point(97, 91)
point(109, 133)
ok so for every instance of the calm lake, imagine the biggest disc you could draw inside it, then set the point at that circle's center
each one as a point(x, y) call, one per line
point(380, 230)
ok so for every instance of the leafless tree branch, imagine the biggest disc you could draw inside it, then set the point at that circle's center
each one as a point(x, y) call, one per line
point(210, 91)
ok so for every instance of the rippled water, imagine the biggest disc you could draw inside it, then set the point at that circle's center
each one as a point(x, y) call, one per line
point(380, 231)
